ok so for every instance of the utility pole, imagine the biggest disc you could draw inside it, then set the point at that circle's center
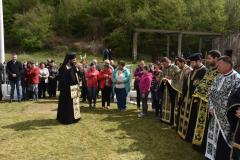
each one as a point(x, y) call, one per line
point(2, 50)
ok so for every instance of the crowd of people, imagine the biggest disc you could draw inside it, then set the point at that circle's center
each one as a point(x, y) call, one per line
point(200, 100)
point(30, 80)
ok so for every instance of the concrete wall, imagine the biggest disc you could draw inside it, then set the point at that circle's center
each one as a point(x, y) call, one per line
point(231, 41)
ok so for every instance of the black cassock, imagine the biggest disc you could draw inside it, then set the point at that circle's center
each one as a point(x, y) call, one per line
point(188, 113)
point(67, 78)
point(233, 105)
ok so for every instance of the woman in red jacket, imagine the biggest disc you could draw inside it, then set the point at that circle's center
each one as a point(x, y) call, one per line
point(105, 78)
point(33, 79)
point(92, 84)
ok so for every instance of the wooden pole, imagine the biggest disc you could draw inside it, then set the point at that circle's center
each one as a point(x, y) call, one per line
point(200, 45)
point(135, 46)
point(168, 46)
point(218, 44)
point(180, 44)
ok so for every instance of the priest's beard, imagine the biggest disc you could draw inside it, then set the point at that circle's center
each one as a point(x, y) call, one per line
point(72, 64)
point(213, 65)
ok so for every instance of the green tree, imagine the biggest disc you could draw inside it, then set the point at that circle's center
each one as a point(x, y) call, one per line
point(206, 15)
point(31, 29)
point(233, 15)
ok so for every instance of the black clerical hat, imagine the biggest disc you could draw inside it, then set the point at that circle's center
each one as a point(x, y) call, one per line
point(228, 52)
point(71, 55)
point(195, 57)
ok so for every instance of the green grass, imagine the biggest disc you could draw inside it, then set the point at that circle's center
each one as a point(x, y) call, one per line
point(42, 56)
point(29, 131)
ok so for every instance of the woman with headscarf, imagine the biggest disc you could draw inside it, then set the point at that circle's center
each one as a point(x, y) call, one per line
point(68, 106)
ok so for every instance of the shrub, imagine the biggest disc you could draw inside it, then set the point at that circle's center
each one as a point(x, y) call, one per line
point(120, 42)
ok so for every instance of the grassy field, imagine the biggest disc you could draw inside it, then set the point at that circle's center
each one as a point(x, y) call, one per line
point(29, 131)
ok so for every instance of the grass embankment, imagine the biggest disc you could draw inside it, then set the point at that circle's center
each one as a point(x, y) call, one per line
point(58, 57)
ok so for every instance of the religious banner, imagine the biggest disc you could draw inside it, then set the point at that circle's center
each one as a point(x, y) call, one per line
point(75, 95)
point(76, 108)
point(75, 91)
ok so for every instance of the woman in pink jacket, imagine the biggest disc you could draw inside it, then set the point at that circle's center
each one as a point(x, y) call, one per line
point(144, 87)
point(92, 84)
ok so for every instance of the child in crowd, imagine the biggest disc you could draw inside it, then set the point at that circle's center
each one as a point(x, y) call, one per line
point(156, 94)
point(144, 87)
point(155, 73)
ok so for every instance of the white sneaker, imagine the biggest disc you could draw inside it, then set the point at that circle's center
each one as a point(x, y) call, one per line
point(140, 115)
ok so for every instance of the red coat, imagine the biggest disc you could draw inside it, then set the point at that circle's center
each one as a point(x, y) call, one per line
point(32, 75)
point(105, 75)
point(92, 78)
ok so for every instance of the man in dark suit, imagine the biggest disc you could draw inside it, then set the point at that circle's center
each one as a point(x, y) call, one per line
point(14, 70)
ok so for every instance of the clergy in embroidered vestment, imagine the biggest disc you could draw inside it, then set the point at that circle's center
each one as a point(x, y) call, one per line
point(219, 138)
point(200, 101)
point(185, 70)
point(187, 114)
point(68, 104)
point(168, 87)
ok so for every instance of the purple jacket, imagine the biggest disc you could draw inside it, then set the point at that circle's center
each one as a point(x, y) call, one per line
point(145, 83)
point(138, 73)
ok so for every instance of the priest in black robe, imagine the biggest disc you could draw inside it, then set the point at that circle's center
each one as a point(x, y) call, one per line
point(200, 101)
point(233, 115)
point(169, 92)
point(68, 106)
point(188, 114)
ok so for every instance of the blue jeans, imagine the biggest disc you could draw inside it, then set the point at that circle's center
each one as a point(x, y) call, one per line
point(24, 92)
point(14, 83)
point(92, 95)
point(121, 96)
point(35, 91)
